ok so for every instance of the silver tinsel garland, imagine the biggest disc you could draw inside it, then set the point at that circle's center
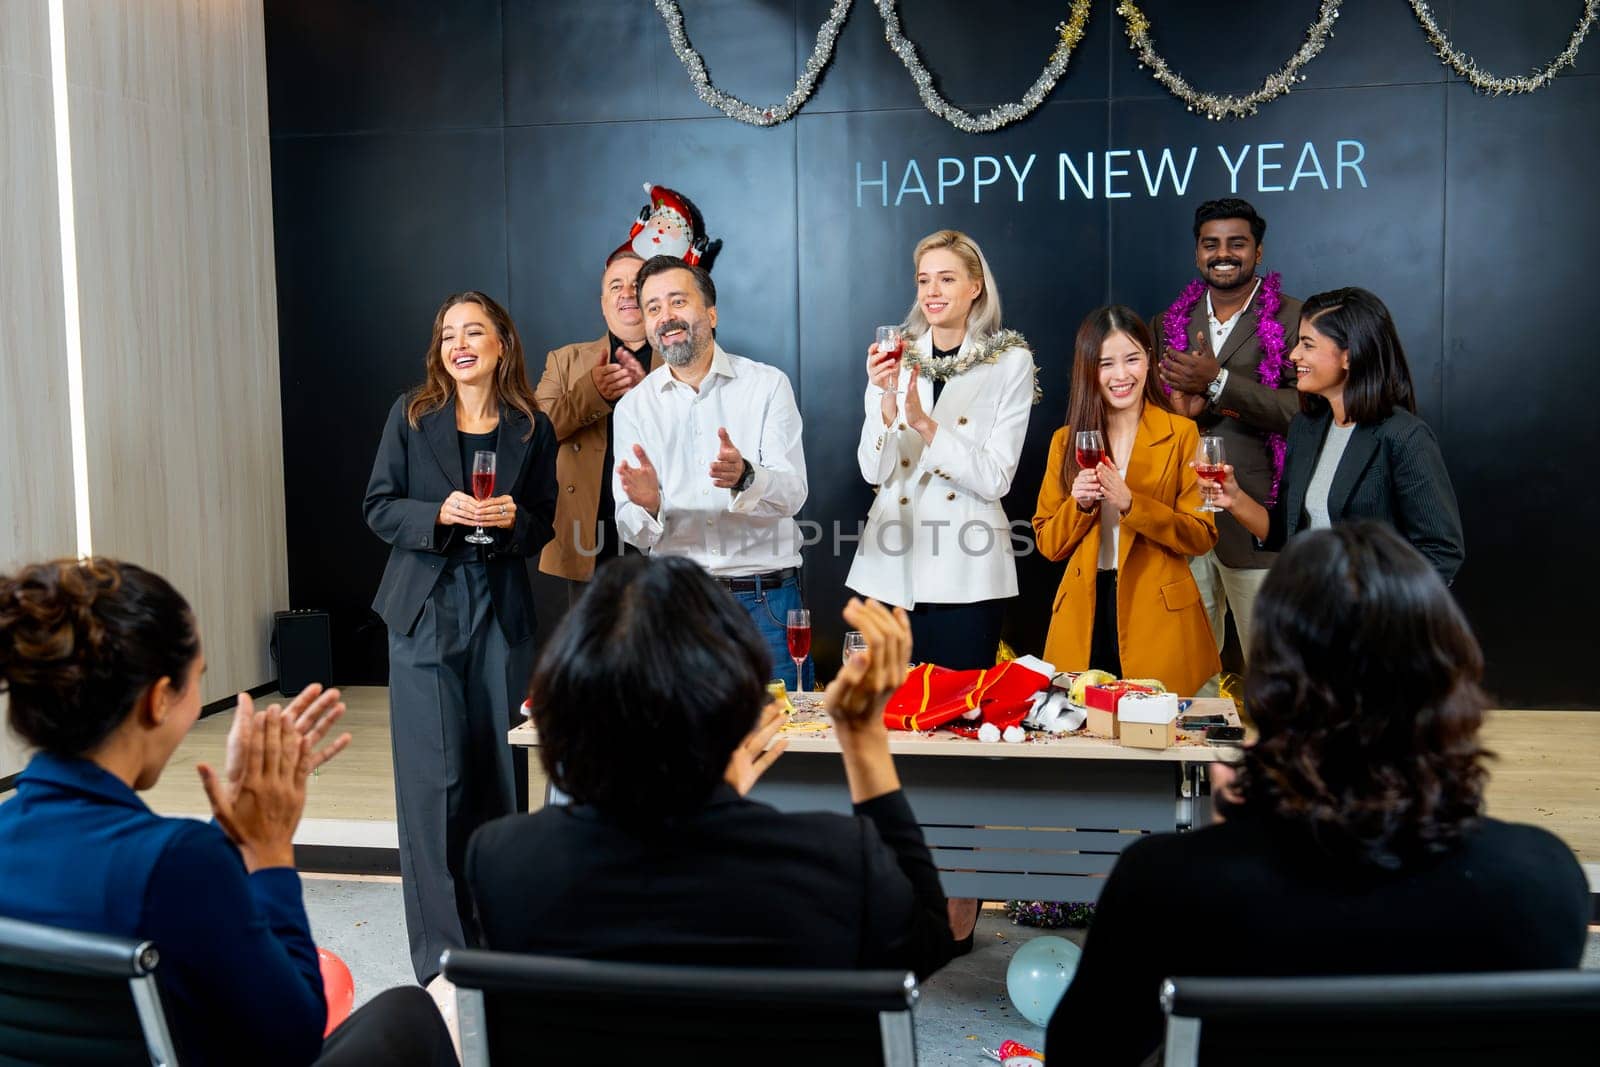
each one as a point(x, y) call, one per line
point(1493, 84)
point(1213, 105)
point(731, 105)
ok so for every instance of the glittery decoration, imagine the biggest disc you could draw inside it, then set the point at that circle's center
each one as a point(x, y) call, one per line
point(731, 105)
point(1493, 84)
point(1212, 105)
point(1049, 914)
point(1069, 32)
point(1274, 349)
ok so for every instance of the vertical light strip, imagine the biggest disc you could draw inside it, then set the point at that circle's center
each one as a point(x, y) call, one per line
point(69, 277)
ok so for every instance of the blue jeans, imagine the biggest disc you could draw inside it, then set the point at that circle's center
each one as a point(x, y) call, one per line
point(769, 610)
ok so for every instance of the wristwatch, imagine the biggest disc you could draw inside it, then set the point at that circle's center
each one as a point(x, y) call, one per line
point(1214, 390)
point(745, 479)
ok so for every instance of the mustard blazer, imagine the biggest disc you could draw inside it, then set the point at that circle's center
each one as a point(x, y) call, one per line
point(1162, 629)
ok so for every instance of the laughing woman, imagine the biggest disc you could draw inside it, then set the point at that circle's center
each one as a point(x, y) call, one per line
point(1127, 602)
point(460, 614)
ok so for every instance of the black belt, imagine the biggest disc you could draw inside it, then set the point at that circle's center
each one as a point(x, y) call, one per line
point(754, 583)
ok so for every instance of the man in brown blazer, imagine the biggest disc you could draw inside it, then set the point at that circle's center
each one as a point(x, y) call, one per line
point(1216, 381)
point(579, 388)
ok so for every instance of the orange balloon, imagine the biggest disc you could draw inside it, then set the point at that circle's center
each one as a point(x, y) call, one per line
point(338, 987)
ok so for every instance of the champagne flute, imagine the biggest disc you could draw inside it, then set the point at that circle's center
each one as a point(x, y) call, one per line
point(799, 634)
point(1209, 458)
point(1089, 446)
point(482, 489)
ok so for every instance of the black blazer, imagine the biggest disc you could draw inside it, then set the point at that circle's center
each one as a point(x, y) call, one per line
point(735, 884)
point(1392, 470)
point(413, 473)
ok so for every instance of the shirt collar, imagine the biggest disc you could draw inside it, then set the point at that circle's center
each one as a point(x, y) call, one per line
point(1212, 315)
point(721, 366)
point(80, 775)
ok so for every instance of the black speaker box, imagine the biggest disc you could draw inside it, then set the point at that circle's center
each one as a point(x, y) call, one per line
point(302, 649)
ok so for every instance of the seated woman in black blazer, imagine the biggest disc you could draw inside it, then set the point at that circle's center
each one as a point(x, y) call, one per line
point(1354, 839)
point(649, 701)
point(102, 663)
point(1357, 449)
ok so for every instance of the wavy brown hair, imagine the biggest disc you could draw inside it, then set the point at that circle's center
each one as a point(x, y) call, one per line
point(511, 375)
point(80, 641)
point(1086, 407)
point(1363, 680)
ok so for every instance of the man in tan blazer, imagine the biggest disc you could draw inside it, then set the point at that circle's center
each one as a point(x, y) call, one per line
point(581, 384)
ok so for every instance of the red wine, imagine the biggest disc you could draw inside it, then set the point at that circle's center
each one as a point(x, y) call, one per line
point(799, 642)
point(895, 351)
point(482, 484)
point(1089, 458)
point(1211, 472)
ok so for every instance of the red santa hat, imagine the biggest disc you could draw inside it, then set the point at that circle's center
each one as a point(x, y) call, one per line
point(670, 225)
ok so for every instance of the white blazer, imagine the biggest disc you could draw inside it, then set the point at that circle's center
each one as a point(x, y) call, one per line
point(936, 532)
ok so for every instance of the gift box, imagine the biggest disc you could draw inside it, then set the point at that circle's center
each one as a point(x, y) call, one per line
point(1148, 720)
point(1103, 702)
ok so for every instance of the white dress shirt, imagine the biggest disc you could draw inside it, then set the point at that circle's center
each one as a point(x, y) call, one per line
point(730, 534)
point(1220, 331)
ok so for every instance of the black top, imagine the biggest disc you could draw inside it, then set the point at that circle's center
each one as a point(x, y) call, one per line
point(611, 545)
point(940, 353)
point(736, 883)
point(469, 443)
point(1253, 897)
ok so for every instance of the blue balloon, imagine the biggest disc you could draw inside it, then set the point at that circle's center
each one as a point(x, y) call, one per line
point(1039, 975)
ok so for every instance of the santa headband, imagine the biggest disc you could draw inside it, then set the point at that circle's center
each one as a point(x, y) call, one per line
point(670, 225)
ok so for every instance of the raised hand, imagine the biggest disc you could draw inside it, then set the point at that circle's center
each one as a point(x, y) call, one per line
point(261, 809)
point(1113, 489)
point(756, 752)
point(857, 694)
point(728, 467)
point(641, 484)
point(916, 417)
point(636, 370)
point(1191, 372)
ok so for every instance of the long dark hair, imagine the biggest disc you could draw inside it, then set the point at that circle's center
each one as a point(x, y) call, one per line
point(1363, 680)
point(645, 688)
point(511, 375)
point(80, 641)
point(1086, 408)
point(1380, 380)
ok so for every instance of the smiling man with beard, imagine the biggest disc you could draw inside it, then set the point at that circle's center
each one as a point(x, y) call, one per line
point(711, 465)
point(1224, 346)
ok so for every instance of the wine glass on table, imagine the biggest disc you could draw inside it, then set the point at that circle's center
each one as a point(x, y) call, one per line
point(1209, 460)
point(1089, 447)
point(799, 634)
point(854, 641)
point(482, 489)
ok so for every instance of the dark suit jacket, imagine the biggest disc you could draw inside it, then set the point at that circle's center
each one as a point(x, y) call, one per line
point(736, 883)
point(1391, 470)
point(1245, 412)
point(415, 470)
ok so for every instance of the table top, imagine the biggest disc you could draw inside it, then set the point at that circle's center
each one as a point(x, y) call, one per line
point(808, 730)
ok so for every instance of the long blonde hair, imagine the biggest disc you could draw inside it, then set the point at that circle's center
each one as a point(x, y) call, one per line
point(984, 317)
point(511, 376)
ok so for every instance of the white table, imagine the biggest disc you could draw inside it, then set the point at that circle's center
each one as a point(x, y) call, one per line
point(1040, 820)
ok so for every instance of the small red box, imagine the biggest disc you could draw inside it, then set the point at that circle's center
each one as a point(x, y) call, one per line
point(1105, 697)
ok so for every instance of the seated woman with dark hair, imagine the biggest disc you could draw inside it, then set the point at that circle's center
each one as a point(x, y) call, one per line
point(102, 661)
point(649, 702)
point(1354, 840)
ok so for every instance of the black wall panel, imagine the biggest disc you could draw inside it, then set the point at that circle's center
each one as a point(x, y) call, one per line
point(420, 148)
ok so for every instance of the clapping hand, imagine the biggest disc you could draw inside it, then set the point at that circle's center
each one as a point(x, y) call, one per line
point(728, 467)
point(753, 755)
point(916, 417)
point(641, 484)
point(857, 694)
point(1191, 372)
point(1113, 489)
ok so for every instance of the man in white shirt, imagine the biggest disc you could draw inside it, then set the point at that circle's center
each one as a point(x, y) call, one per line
point(710, 459)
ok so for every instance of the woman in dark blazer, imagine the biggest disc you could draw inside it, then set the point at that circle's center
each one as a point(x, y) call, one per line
point(101, 661)
point(460, 615)
point(1357, 450)
point(1354, 839)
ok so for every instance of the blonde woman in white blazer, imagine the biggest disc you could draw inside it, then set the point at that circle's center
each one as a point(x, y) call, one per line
point(944, 427)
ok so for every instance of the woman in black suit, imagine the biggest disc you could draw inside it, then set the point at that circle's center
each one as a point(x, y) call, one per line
point(1357, 450)
point(460, 615)
point(1355, 840)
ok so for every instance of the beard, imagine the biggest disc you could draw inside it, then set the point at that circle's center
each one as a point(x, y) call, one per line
point(684, 352)
point(1242, 276)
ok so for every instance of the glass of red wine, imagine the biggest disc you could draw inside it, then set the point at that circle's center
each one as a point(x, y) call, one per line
point(1209, 459)
point(1089, 446)
point(799, 633)
point(890, 343)
point(482, 489)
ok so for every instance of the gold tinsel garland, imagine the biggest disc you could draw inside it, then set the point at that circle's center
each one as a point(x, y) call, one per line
point(1493, 84)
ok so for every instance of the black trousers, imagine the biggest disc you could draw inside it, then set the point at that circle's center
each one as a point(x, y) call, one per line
point(962, 637)
point(1105, 653)
point(397, 1027)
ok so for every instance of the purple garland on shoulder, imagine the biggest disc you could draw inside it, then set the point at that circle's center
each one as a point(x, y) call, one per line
point(1269, 331)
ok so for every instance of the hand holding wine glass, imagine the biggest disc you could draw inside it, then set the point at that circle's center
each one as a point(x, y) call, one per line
point(482, 489)
point(1210, 463)
point(883, 368)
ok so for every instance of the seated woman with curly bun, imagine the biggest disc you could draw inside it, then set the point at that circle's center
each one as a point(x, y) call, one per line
point(1355, 840)
point(102, 663)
